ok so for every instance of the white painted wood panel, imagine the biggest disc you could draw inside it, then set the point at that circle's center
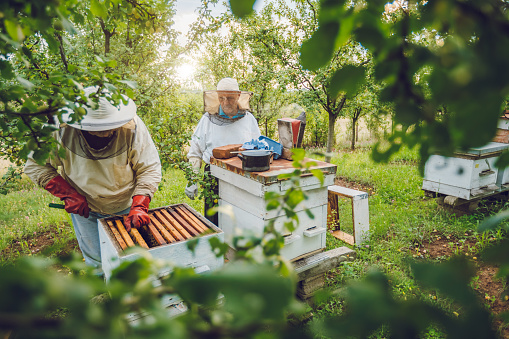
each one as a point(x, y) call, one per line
point(298, 244)
point(257, 206)
point(360, 211)
point(459, 172)
point(309, 182)
point(446, 189)
point(503, 123)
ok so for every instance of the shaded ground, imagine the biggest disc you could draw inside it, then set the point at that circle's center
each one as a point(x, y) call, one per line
point(488, 287)
point(47, 243)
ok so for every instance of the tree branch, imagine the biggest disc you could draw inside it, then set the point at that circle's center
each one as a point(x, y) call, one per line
point(62, 51)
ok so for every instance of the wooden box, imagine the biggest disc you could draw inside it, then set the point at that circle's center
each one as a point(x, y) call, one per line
point(166, 238)
point(244, 191)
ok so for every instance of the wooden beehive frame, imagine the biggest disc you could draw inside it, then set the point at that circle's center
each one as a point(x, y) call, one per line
point(169, 224)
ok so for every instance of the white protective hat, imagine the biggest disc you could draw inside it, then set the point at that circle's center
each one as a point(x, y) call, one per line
point(106, 116)
point(228, 84)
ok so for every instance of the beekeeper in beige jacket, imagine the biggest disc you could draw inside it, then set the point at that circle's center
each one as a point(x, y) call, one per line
point(111, 166)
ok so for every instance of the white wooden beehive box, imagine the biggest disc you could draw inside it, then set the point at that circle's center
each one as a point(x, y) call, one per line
point(176, 225)
point(465, 175)
point(244, 191)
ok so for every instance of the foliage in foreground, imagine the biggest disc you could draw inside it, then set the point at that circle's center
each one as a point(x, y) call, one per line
point(249, 296)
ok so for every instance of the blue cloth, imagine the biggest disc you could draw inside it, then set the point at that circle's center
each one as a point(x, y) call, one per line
point(255, 144)
point(87, 233)
point(223, 115)
point(264, 143)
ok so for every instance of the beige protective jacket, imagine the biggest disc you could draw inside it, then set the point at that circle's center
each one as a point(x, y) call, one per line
point(129, 165)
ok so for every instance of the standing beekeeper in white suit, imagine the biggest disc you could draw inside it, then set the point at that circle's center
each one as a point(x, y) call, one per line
point(226, 121)
point(111, 166)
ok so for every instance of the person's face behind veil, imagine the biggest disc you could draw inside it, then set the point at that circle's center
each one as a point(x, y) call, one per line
point(229, 101)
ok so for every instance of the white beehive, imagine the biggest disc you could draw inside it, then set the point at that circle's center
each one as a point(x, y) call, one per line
point(203, 259)
point(244, 192)
point(465, 175)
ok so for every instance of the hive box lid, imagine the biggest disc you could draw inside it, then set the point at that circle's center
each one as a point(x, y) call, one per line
point(488, 148)
point(277, 167)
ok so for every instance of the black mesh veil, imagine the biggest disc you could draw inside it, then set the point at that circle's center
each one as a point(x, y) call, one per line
point(73, 140)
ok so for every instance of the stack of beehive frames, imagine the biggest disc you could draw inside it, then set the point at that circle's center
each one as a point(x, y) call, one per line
point(168, 225)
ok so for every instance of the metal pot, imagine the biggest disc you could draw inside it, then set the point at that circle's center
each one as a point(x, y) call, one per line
point(257, 160)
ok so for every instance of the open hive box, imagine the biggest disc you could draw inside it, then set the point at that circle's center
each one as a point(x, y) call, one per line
point(166, 238)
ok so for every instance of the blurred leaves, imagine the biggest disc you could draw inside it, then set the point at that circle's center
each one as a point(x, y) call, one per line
point(242, 8)
point(372, 306)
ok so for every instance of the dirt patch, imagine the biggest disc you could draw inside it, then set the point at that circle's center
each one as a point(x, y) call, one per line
point(344, 182)
point(42, 242)
point(489, 288)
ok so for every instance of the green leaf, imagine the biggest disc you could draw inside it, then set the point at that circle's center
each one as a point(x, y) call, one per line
point(309, 213)
point(370, 36)
point(347, 79)
point(493, 221)
point(61, 152)
point(289, 226)
point(40, 156)
point(298, 154)
point(98, 9)
point(6, 69)
point(25, 83)
point(294, 198)
point(272, 205)
point(192, 243)
point(451, 278)
point(317, 50)
point(319, 174)
point(132, 84)
point(220, 248)
point(14, 30)
point(242, 8)
point(497, 254)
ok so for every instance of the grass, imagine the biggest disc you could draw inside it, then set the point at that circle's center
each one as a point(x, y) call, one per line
point(400, 216)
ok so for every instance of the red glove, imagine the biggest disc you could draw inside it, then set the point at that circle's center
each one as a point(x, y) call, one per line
point(74, 202)
point(138, 215)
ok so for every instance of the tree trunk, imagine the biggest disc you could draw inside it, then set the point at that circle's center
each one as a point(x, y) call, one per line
point(330, 137)
point(354, 133)
point(107, 37)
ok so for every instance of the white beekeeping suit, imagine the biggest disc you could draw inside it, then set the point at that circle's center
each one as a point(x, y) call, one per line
point(226, 121)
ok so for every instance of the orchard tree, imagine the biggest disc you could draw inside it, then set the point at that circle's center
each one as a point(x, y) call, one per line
point(37, 78)
point(363, 105)
point(280, 30)
point(51, 53)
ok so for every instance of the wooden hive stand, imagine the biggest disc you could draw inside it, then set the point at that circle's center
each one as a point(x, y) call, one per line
point(360, 214)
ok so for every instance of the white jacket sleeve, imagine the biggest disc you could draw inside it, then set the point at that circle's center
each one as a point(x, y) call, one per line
point(145, 161)
point(198, 139)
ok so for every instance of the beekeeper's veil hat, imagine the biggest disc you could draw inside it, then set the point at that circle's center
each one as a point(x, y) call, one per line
point(211, 98)
point(105, 116)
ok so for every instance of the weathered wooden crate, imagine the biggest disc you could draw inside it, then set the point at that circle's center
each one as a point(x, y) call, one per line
point(244, 191)
point(166, 237)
